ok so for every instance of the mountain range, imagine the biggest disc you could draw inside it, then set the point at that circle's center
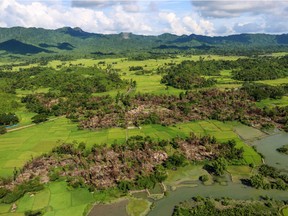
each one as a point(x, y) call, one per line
point(31, 41)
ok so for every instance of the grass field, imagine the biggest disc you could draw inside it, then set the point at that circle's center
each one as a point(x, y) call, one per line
point(285, 211)
point(239, 172)
point(56, 199)
point(20, 146)
point(138, 207)
point(273, 102)
point(187, 173)
point(275, 82)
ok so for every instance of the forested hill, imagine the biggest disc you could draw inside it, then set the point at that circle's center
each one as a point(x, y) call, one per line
point(31, 41)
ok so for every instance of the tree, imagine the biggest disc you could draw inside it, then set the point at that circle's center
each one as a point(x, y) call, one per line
point(39, 118)
point(204, 178)
point(257, 181)
point(219, 166)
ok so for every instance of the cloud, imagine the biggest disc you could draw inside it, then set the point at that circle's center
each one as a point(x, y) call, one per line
point(92, 3)
point(37, 14)
point(187, 24)
point(148, 17)
point(233, 8)
point(203, 27)
point(248, 28)
point(128, 5)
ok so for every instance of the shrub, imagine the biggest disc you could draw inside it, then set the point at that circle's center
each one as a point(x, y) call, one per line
point(3, 130)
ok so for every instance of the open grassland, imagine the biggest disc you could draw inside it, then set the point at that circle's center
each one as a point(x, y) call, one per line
point(184, 174)
point(273, 102)
point(239, 172)
point(149, 64)
point(278, 54)
point(56, 199)
point(149, 83)
point(146, 83)
point(19, 146)
point(275, 82)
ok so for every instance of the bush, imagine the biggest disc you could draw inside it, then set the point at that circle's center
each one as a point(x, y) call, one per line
point(20, 190)
point(39, 118)
point(34, 213)
point(3, 192)
point(3, 130)
point(13, 196)
point(204, 178)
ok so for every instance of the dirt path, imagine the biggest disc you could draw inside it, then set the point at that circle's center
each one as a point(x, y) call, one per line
point(31, 125)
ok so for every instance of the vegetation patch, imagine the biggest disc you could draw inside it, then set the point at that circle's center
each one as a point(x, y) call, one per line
point(226, 206)
point(138, 207)
point(283, 149)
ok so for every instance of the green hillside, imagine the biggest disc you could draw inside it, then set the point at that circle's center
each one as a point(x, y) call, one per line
point(19, 40)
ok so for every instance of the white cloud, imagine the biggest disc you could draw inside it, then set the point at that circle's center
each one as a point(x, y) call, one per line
point(233, 8)
point(37, 14)
point(249, 27)
point(149, 17)
point(187, 24)
point(128, 5)
point(203, 27)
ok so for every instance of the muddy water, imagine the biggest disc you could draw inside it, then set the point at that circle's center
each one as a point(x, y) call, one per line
point(267, 146)
point(236, 191)
point(117, 208)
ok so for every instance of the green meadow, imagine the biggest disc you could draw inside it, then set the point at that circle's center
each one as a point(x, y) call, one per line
point(57, 200)
point(273, 102)
point(18, 147)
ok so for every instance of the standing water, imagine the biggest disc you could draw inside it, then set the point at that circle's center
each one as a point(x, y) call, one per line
point(268, 147)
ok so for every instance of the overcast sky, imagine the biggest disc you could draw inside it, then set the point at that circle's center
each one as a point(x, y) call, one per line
point(218, 17)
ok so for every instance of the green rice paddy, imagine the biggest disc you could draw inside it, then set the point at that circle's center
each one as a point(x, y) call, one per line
point(18, 147)
point(273, 102)
point(56, 199)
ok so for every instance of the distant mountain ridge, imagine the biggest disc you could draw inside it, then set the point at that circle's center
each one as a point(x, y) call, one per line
point(20, 40)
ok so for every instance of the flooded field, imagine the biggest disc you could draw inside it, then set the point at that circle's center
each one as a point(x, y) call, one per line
point(267, 146)
point(117, 208)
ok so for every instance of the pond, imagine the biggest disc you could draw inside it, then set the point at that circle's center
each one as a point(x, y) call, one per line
point(268, 145)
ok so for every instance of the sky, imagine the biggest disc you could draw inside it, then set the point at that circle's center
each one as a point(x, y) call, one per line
point(204, 17)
